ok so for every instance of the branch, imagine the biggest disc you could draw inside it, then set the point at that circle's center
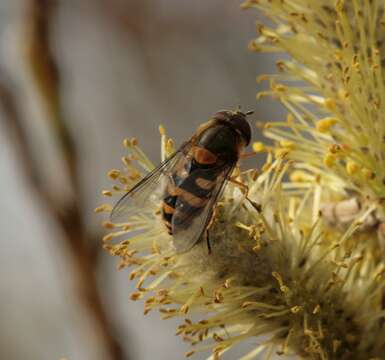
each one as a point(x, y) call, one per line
point(47, 82)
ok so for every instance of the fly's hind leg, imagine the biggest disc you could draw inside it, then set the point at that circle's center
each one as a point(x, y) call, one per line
point(208, 241)
point(210, 224)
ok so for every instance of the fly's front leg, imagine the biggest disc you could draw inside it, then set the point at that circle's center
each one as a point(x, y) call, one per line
point(246, 155)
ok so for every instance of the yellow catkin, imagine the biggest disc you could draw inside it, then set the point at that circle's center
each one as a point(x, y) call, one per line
point(279, 87)
point(351, 167)
point(325, 124)
point(135, 296)
point(287, 144)
point(296, 309)
point(113, 174)
point(103, 208)
point(108, 225)
point(259, 147)
point(290, 118)
point(329, 160)
point(343, 94)
point(262, 77)
point(330, 104)
point(302, 301)
point(280, 153)
point(300, 176)
point(169, 147)
point(162, 130)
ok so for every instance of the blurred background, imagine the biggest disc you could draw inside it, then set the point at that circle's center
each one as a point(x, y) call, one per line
point(76, 77)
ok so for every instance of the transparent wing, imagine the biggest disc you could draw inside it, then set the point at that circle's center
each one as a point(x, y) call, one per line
point(189, 223)
point(147, 193)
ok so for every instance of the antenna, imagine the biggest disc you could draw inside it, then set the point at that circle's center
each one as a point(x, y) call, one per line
point(238, 110)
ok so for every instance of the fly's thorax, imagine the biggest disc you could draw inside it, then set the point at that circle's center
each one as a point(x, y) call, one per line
point(221, 140)
point(237, 120)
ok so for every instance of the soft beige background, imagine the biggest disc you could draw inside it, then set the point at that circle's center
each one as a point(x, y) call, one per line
point(127, 66)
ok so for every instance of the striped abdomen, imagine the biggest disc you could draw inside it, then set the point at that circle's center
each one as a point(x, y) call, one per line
point(190, 186)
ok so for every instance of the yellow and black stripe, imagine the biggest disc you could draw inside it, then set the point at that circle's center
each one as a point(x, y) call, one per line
point(190, 187)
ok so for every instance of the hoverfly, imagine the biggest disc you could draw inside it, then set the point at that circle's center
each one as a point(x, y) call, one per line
point(188, 184)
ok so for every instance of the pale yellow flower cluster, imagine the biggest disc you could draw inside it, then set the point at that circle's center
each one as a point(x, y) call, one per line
point(332, 86)
point(272, 271)
point(281, 272)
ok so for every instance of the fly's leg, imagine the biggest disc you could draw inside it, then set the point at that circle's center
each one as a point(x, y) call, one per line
point(210, 224)
point(208, 242)
point(244, 188)
point(246, 155)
